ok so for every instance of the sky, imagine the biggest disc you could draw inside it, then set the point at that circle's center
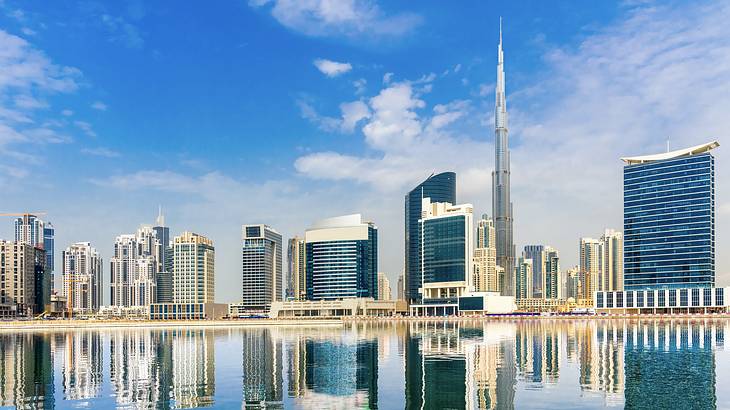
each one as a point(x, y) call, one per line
point(285, 112)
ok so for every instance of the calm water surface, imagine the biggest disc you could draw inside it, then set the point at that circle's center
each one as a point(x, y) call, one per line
point(677, 364)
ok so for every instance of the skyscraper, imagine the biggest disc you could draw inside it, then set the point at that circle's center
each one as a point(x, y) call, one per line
point(486, 276)
point(33, 231)
point(501, 203)
point(164, 264)
point(612, 263)
point(440, 188)
point(383, 286)
point(193, 269)
point(49, 233)
point(447, 249)
point(342, 258)
point(83, 275)
point(590, 254)
point(401, 292)
point(297, 275)
point(261, 267)
point(523, 278)
point(552, 281)
point(669, 219)
point(23, 276)
point(135, 265)
point(537, 254)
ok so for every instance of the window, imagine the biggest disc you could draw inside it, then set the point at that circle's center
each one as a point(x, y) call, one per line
point(640, 298)
point(629, 299)
point(609, 299)
point(619, 299)
point(683, 297)
point(672, 298)
point(719, 296)
point(695, 297)
point(662, 298)
point(599, 300)
point(707, 297)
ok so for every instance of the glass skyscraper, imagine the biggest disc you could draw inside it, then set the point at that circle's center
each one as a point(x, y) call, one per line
point(262, 275)
point(342, 259)
point(440, 188)
point(669, 219)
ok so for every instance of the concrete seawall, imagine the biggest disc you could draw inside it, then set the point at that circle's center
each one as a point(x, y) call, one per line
point(45, 325)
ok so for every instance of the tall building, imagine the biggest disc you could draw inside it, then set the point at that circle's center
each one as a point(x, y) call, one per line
point(612, 264)
point(590, 255)
point(342, 258)
point(83, 276)
point(383, 286)
point(164, 264)
point(486, 277)
point(135, 265)
point(572, 283)
point(297, 280)
point(523, 278)
point(537, 254)
point(501, 203)
point(261, 267)
point(33, 231)
point(23, 277)
point(669, 219)
point(552, 281)
point(401, 292)
point(193, 269)
point(440, 188)
point(447, 249)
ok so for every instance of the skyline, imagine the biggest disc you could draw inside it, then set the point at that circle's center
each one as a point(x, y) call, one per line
point(623, 78)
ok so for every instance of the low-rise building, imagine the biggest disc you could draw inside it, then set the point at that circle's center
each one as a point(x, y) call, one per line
point(187, 311)
point(662, 301)
point(333, 308)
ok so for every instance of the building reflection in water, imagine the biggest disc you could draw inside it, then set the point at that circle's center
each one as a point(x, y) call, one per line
point(465, 364)
point(262, 369)
point(331, 368)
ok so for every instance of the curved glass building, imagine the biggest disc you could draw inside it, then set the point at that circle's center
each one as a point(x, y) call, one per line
point(440, 188)
point(669, 219)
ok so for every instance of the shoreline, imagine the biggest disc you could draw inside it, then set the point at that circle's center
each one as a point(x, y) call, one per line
point(65, 324)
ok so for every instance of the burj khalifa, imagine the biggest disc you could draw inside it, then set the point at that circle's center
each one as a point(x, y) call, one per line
point(501, 203)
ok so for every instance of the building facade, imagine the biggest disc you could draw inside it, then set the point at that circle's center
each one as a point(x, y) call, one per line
point(552, 278)
point(486, 277)
point(82, 278)
point(440, 188)
point(447, 249)
point(164, 264)
point(523, 278)
point(384, 292)
point(297, 280)
point(193, 269)
point(612, 261)
point(669, 219)
point(261, 267)
point(342, 259)
point(23, 277)
point(135, 265)
point(33, 231)
point(590, 254)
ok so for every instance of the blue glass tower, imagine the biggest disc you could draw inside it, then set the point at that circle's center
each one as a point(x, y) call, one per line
point(669, 219)
point(440, 188)
point(342, 259)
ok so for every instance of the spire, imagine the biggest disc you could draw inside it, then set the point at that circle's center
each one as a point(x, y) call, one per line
point(160, 217)
point(500, 109)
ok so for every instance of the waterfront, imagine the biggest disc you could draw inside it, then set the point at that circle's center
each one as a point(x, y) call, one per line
point(528, 363)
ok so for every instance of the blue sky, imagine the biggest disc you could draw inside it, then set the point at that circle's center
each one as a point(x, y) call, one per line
point(285, 112)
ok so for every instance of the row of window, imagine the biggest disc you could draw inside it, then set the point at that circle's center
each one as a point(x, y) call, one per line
point(663, 298)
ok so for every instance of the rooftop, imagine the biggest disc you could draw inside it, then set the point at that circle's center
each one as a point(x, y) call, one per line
point(685, 152)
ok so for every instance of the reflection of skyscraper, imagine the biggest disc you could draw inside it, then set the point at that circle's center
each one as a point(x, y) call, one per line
point(296, 354)
point(193, 368)
point(82, 367)
point(601, 346)
point(671, 365)
point(134, 368)
point(26, 371)
point(262, 370)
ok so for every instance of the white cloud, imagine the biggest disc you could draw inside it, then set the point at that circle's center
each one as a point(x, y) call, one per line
point(98, 105)
point(86, 128)
point(387, 78)
point(122, 32)
point(349, 18)
point(331, 68)
point(101, 152)
point(394, 124)
point(28, 31)
point(351, 114)
point(67, 112)
point(360, 85)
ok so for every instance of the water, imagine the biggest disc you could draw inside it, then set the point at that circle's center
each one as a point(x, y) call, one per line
point(678, 364)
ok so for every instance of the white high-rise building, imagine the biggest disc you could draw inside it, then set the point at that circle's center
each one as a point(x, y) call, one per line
point(193, 269)
point(552, 278)
point(82, 277)
point(384, 292)
point(486, 277)
point(523, 278)
point(612, 272)
point(261, 267)
point(591, 253)
point(137, 260)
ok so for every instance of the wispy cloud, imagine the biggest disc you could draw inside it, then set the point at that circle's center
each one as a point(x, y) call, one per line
point(99, 106)
point(85, 127)
point(101, 152)
point(350, 18)
point(331, 68)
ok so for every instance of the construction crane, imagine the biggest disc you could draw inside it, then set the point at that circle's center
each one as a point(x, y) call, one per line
point(22, 213)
